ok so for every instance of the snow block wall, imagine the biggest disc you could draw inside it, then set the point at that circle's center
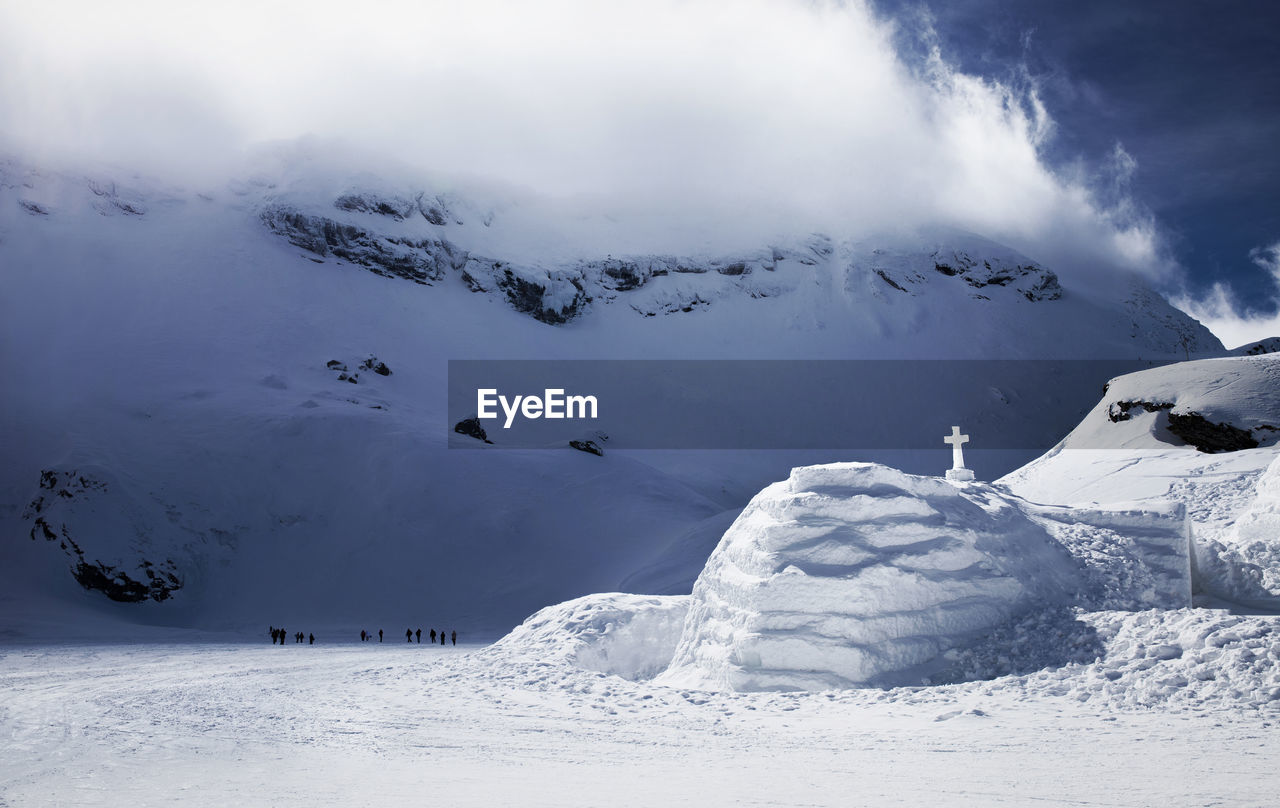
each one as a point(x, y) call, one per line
point(853, 574)
point(1132, 557)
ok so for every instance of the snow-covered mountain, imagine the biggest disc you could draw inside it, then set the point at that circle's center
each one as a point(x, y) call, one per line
point(224, 407)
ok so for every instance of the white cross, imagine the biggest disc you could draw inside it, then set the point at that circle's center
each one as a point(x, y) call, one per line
point(956, 440)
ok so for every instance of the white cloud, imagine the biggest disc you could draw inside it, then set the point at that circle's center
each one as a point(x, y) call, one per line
point(1228, 317)
point(765, 113)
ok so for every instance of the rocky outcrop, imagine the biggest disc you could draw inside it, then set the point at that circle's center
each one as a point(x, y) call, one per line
point(49, 514)
point(588, 446)
point(118, 586)
point(372, 363)
point(1207, 436)
point(1258, 348)
point(422, 261)
point(1119, 411)
point(1031, 280)
point(471, 428)
point(551, 296)
point(1191, 428)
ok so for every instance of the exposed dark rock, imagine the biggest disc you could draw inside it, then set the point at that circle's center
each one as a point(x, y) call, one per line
point(690, 267)
point(118, 586)
point(623, 275)
point(677, 303)
point(128, 207)
point(435, 210)
point(1119, 410)
point(1046, 288)
point(1262, 346)
point(1031, 280)
point(34, 208)
point(334, 364)
point(377, 367)
point(588, 446)
point(884, 276)
point(395, 208)
point(421, 261)
point(1209, 437)
point(41, 530)
point(733, 269)
point(472, 429)
point(93, 574)
point(110, 202)
point(530, 297)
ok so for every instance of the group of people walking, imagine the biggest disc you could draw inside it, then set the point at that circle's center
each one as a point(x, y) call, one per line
point(410, 634)
point(278, 635)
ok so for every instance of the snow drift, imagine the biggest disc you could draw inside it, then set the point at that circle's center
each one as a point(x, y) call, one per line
point(632, 636)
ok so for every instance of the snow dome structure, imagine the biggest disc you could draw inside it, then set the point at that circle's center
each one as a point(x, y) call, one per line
point(854, 574)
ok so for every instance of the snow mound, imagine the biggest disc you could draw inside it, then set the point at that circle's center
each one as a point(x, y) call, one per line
point(632, 636)
point(855, 574)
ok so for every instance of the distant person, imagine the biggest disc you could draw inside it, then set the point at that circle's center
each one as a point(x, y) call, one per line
point(408, 635)
point(419, 636)
point(442, 636)
point(454, 637)
point(311, 639)
point(433, 636)
point(363, 635)
point(282, 635)
point(273, 634)
point(379, 635)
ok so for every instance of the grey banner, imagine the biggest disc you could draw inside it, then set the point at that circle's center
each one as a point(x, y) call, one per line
point(1023, 405)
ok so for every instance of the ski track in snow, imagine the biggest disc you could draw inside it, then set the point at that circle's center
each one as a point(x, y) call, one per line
point(389, 724)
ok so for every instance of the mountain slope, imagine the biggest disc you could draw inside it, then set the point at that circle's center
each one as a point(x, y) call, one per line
point(181, 352)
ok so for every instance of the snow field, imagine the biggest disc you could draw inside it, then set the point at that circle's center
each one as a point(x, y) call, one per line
point(210, 725)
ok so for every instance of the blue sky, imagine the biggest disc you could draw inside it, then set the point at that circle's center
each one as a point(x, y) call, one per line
point(1189, 88)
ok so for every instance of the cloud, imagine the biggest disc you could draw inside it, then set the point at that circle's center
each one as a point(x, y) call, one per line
point(767, 114)
point(1234, 322)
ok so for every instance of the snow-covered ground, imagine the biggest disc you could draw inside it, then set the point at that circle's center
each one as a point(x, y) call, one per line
point(214, 724)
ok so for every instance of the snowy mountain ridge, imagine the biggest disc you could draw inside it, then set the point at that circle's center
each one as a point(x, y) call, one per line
point(888, 294)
